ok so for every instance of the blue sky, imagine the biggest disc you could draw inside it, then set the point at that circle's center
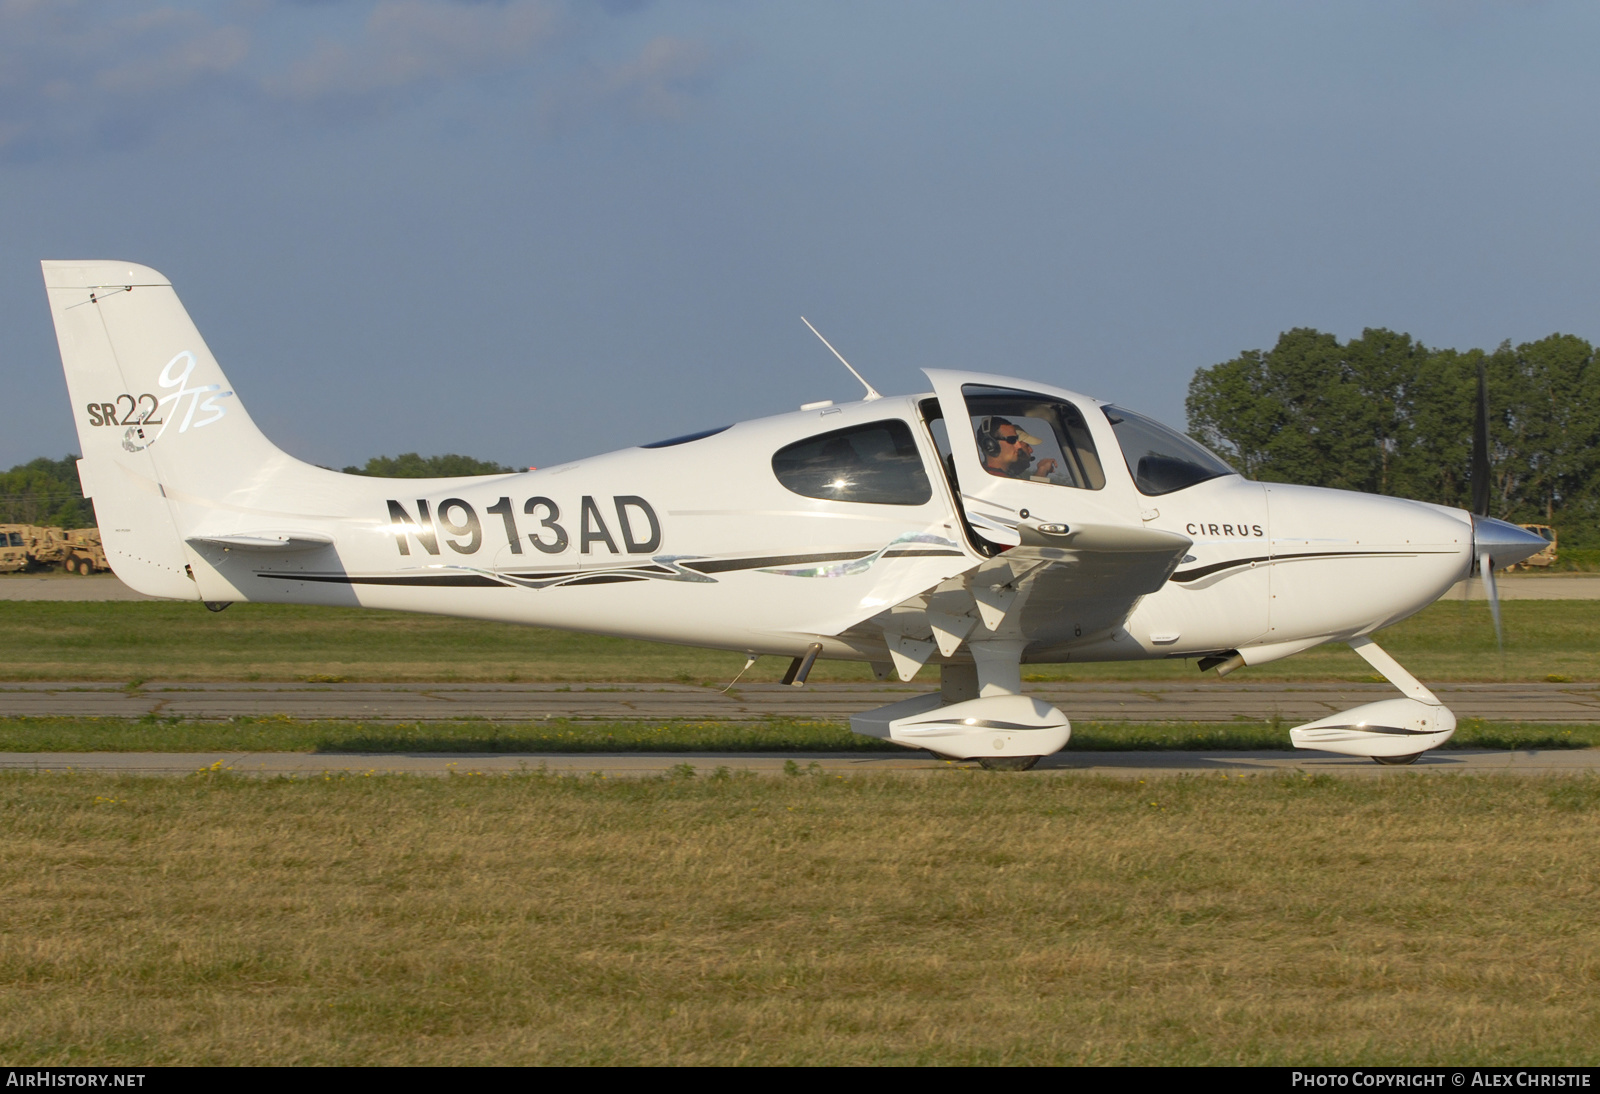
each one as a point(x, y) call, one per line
point(531, 230)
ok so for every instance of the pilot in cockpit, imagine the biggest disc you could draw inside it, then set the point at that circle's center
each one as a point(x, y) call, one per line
point(1008, 451)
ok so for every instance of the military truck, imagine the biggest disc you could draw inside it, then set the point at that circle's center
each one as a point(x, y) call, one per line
point(14, 548)
point(84, 553)
point(34, 547)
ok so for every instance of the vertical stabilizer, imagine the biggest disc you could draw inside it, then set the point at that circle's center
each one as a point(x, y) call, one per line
point(156, 417)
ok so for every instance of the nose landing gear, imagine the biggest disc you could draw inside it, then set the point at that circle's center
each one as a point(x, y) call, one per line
point(1008, 763)
point(1391, 731)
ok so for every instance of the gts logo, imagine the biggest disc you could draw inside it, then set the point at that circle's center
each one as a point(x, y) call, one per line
point(138, 414)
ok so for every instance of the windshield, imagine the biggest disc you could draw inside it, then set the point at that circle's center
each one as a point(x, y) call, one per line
point(1162, 460)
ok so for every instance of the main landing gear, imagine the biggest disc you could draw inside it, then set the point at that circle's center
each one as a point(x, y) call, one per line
point(978, 714)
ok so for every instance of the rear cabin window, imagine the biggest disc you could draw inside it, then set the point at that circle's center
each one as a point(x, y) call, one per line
point(877, 463)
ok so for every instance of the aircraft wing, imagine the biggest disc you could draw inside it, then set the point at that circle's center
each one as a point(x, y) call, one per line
point(1048, 591)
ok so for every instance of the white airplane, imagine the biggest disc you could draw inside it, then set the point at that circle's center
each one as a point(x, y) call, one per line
point(988, 523)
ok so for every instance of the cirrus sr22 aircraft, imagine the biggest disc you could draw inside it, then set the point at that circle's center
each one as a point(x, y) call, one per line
point(988, 523)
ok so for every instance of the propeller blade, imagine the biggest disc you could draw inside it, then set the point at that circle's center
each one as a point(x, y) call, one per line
point(1496, 539)
point(1480, 445)
point(1486, 567)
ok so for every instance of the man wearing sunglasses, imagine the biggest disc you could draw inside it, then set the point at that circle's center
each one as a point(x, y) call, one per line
point(1008, 451)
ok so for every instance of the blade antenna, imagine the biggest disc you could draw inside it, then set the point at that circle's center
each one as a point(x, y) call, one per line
point(872, 392)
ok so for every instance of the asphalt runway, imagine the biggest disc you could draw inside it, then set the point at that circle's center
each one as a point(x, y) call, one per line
point(1123, 765)
point(1202, 701)
point(1208, 701)
point(61, 586)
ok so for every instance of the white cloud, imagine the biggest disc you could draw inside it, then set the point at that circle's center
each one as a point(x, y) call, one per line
point(407, 42)
point(659, 83)
point(70, 70)
point(210, 51)
point(662, 80)
point(77, 75)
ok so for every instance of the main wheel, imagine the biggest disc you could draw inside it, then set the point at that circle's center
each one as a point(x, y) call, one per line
point(1008, 763)
point(1397, 761)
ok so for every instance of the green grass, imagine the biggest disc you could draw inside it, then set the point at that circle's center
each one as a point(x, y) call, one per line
point(1577, 560)
point(965, 918)
point(277, 734)
point(44, 640)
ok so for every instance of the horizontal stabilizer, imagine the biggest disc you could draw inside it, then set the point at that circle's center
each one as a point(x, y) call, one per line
point(266, 541)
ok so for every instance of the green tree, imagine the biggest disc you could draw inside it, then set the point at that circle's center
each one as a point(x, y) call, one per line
point(45, 491)
point(1543, 426)
point(410, 465)
point(1385, 414)
point(1232, 411)
point(1436, 461)
point(1309, 410)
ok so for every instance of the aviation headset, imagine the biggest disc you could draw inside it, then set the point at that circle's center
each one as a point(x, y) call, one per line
point(988, 426)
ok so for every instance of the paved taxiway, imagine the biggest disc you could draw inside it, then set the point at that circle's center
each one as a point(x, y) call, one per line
point(62, 586)
point(1205, 700)
point(1126, 765)
point(1208, 700)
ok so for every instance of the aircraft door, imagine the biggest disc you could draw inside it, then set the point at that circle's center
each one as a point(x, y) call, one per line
point(1027, 463)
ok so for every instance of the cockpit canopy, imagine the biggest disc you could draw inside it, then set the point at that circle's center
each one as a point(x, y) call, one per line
point(1021, 435)
point(1027, 437)
point(1161, 460)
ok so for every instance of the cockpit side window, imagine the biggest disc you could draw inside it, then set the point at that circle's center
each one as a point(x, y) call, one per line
point(1033, 438)
point(877, 462)
point(1162, 460)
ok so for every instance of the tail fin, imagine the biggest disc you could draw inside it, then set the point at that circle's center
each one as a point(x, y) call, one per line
point(157, 419)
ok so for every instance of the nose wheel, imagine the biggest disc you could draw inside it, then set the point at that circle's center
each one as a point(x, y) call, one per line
point(1397, 761)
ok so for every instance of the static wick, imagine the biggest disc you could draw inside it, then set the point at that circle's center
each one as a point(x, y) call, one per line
point(872, 392)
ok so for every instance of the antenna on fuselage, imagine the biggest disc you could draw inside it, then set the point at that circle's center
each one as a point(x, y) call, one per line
point(872, 392)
